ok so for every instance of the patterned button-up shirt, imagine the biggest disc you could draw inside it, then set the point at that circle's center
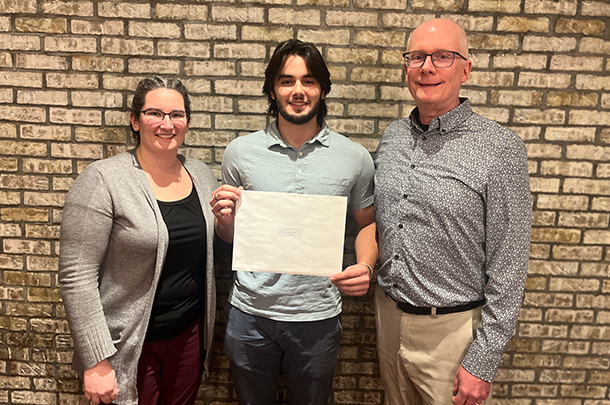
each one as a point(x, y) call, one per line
point(454, 220)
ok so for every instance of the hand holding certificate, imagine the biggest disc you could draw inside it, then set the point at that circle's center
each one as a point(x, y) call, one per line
point(289, 233)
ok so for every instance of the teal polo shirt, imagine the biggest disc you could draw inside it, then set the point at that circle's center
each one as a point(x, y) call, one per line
point(327, 164)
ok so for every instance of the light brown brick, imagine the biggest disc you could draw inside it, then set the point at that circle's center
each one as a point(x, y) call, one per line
point(24, 6)
point(237, 14)
point(557, 235)
point(383, 75)
point(154, 66)
point(491, 79)
point(580, 99)
point(577, 63)
point(67, 150)
point(153, 29)
point(543, 80)
point(239, 51)
point(19, 42)
point(566, 7)
point(574, 169)
point(22, 79)
point(546, 267)
point(258, 33)
point(373, 110)
point(9, 164)
point(211, 103)
point(75, 8)
point(319, 37)
point(27, 114)
point(114, 82)
point(104, 135)
point(97, 63)
point(252, 106)
point(70, 44)
point(46, 25)
point(111, 27)
point(58, 133)
point(10, 198)
point(123, 10)
point(577, 252)
point(564, 346)
point(544, 185)
point(75, 116)
point(574, 26)
point(72, 80)
point(352, 55)
point(209, 31)
point(382, 4)
point(493, 42)
point(181, 12)
point(47, 166)
point(583, 117)
point(21, 246)
point(523, 24)
point(528, 61)
point(520, 98)
point(570, 134)
point(537, 360)
point(351, 19)
point(120, 46)
point(183, 49)
point(290, 16)
point(548, 44)
point(47, 97)
point(503, 6)
point(239, 122)
point(592, 82)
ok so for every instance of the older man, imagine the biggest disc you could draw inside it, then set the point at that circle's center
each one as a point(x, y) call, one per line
point(454, 220)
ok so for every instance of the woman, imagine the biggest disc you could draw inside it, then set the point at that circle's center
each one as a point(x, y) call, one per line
point(136, 261)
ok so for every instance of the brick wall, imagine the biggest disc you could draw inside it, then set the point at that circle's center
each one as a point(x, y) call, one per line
point(541, 67)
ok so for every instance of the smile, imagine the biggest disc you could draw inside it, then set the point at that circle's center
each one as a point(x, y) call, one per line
point(165, 136)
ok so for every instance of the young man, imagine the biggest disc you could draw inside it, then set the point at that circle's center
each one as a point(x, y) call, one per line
point(287, 319)
point(454, 215)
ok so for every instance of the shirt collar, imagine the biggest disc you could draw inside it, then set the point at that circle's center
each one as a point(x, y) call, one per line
point(274, 137)
point(446, 122)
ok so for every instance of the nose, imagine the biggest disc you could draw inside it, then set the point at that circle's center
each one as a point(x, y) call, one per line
point(430, 64)
point(298, 87)
point(166, 121)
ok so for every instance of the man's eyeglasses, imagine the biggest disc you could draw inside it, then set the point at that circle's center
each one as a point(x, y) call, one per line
point(155, 116)
point(440, 59)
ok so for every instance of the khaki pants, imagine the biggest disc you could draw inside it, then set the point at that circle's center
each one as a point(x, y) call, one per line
point(419, 354)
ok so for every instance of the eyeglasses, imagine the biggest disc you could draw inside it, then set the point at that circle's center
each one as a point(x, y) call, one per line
point(155, 116)
point(440, 59)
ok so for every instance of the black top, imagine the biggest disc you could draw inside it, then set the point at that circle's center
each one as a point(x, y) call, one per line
point(180, 296)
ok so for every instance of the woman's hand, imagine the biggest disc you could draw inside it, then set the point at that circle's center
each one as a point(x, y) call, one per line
point(223, 203)
point(99, 383)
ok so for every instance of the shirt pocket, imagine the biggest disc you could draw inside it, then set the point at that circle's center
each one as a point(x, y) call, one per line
point(333, 186)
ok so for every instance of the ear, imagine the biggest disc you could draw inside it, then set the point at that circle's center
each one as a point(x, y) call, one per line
point(406, 73)
point(272, 95)
point(466, 71)
point(135, 122)
point(322, 96)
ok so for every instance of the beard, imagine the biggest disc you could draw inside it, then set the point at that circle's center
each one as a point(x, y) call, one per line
point(299, 119)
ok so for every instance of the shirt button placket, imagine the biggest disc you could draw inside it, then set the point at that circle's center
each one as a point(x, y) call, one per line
point(299, 177)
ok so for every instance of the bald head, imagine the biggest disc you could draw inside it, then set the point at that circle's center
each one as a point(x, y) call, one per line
point(441, 29)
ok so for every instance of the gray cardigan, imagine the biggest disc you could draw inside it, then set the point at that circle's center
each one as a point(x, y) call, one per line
point(113, 246)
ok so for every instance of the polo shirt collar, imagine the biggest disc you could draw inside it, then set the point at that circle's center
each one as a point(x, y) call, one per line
point(274, 137)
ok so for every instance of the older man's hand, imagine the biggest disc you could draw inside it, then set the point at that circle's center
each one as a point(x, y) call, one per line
point(468, 389)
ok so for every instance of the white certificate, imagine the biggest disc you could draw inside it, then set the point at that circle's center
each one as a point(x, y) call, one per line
point(289, 233)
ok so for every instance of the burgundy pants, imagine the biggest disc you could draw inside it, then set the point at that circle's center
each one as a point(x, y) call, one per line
point(169, 371)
